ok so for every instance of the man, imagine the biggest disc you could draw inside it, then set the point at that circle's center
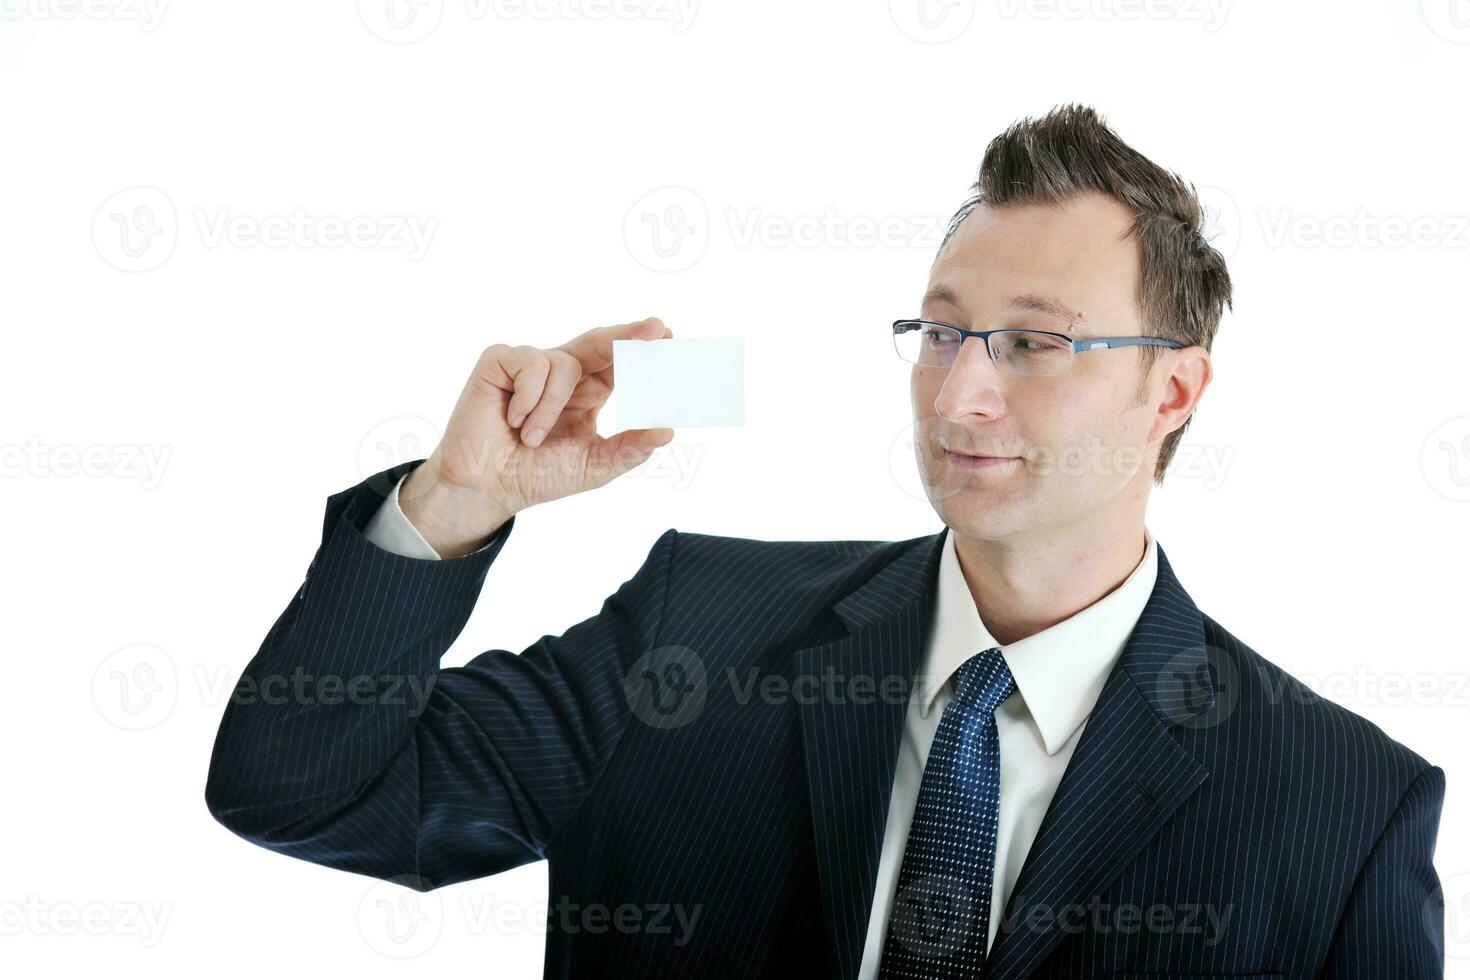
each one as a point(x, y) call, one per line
point(1012, 748)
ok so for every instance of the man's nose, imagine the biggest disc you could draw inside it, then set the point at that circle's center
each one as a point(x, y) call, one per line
point(974, 383)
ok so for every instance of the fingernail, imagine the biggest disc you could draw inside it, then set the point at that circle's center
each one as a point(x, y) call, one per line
point(516, 420)
point(533, 437)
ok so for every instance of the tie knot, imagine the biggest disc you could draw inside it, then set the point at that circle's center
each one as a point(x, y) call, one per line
point(984, 680)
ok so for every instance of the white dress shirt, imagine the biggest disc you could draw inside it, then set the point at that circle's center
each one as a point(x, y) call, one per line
point(1059, 674)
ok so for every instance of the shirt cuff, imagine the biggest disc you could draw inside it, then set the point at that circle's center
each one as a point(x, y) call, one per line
point(391, 530)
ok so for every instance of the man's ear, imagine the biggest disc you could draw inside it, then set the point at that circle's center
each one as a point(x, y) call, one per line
point(1186, 374)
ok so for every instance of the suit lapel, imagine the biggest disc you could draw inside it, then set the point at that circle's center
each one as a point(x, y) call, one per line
point(1126, 778)
point(851, 743)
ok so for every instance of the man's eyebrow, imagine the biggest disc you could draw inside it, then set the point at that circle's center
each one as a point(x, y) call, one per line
point(1044, 304)
point(940, 293)
point(1034, 302)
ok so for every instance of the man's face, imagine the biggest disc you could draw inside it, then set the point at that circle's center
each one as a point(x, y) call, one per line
point(1083, 438)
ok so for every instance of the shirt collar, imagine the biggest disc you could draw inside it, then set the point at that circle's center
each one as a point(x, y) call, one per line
point(1060, 671)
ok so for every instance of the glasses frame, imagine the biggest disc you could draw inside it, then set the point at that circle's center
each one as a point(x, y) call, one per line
point(1078, 345)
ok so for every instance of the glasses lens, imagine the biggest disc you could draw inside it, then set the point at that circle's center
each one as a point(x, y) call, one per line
point(1027, 352)
point(928, 344)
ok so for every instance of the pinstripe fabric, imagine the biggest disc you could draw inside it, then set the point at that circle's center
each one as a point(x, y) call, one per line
point(1278, 833)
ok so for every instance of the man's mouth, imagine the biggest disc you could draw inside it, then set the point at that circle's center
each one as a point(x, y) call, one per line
point(978, 461)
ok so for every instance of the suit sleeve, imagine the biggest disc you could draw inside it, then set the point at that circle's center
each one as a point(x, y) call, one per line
point(345, 744)
point(1393, 924)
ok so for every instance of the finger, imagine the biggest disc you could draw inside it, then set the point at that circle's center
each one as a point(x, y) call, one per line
point(592, 391)
point(617, 454)
point(594, 348)
point(492, 384)
point(564, 374)
point(526, 369)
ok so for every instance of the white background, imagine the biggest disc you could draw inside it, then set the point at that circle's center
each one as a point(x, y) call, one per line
point(178, 404)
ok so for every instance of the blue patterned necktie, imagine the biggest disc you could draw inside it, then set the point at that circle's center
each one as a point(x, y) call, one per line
point(941, 913)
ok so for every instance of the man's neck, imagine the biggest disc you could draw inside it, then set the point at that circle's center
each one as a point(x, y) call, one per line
point(1022, 588)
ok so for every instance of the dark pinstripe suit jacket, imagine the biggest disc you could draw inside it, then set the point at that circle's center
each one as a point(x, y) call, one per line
point(1216, 819)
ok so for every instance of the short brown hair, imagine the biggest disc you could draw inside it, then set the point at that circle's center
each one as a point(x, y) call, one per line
point(1184, 286)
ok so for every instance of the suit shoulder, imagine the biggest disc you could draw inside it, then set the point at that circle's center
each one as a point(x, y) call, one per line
point(774, 579)
point(788, 557)
point(1289, 716)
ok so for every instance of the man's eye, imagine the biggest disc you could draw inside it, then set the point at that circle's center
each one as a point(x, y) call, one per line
point(1028, 343)
point(939, 338)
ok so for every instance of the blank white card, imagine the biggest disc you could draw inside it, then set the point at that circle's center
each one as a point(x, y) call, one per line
point(679, 382)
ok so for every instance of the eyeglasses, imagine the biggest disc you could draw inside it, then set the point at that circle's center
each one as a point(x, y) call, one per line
point(1032, 353)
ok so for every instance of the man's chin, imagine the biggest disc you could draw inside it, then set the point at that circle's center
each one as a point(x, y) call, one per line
point(980, 515)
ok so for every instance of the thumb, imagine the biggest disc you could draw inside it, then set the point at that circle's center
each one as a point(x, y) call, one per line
point(617, 454)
